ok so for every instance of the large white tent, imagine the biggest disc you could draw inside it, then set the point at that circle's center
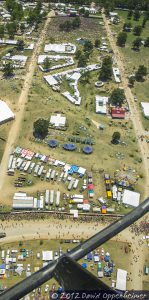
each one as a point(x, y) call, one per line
point(145, 107)
point(121, 280)
point(5, 113)
point(131, 198)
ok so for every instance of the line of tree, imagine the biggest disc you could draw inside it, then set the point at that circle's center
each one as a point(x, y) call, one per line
point(117, 97)
point(83, 55)
point(40, 128)
point(106, 69)
point(70, 25)
point(121, 39)
point(15, 9)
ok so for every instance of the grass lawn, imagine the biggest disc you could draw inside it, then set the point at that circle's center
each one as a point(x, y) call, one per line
point(120, 261)
point(133, 59)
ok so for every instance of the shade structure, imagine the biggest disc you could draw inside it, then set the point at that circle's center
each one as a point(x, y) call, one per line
point(87, 149)
point(90, 186)
point(52, 143)
point(69, 147)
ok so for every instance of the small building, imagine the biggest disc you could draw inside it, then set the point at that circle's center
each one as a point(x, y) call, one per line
point(5, 113)
point(60, 48)
point(145, 108)
point(58, 120)
point(101, 104)
point(118, 112)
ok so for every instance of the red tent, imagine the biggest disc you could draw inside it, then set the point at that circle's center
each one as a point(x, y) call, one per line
point(118, 112)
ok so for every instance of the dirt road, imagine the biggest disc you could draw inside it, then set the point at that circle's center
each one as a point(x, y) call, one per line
point(15, 128)
point(139, 130)
point(135, 116)
point(68, 229)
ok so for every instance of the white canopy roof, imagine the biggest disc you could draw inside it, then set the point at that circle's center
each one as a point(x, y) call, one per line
point(47, 255)
point(121, 280)
point(5, 113)
point(131, 198)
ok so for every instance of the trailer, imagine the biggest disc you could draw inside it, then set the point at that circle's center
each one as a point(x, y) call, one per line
point(19, 163)
point(51, 197)
point(36, 169)
point(41, 202)
point(14, 163)
point(47, 195)
point(35, 202)
point(3, 254)
point(53, 174)
point(76, 183)
point(76, 201)
point(32, 166)
point(70, 186)
point(10, 161)
point(77, 196)
point(57, 198)
point(96, 209)
point(65, 177)
point(23, 166)
point(40, 171)
point(61, 176)
point(20, 194)
point(27, 166)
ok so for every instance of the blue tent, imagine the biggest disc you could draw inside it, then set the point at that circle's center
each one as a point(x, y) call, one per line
point(52, 143)
point(69, 147)
point(87, 149)
point(84, 265)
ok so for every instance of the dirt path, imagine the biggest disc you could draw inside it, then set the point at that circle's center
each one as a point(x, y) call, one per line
point(68, 229)
point(135, 116)
point(139, 130)
point(15, 128)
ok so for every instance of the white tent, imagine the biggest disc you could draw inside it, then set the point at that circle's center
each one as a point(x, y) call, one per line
point(121, 280)
point(145, 107)
point(47, 255)
point(5, 113)
point(131, 198)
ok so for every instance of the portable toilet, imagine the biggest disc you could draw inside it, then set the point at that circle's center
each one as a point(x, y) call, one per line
point(109, 194)
point(103, 210)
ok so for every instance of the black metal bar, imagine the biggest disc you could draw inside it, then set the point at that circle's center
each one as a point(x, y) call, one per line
point(44, 274)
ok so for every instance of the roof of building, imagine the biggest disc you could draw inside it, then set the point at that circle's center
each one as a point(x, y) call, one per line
point(60, 48)
point(5, 112)
point(58, 120)
point(118, 112)
point(101, 104)
point(131, 198)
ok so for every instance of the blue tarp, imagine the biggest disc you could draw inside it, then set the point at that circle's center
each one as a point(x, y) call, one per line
point(69, 147)
point(2, 266)
point(84, 265)
point(52, 143)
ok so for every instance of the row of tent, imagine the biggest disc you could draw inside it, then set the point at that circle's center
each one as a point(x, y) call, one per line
point(70, 146)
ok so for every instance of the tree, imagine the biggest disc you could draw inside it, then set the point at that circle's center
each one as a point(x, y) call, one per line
point(22, 27)
point(140, 73)
point(78, 54)
point(85, 78)
point(106, 69)
point(2, 31)
point(137, 30)
point(11, 29)
point(127, 27)
point(144, 22)
point(131, 81)
point(136, 15)
point(117, 97)
point(86, 14)
point(8, 70)
point(46, 63)
point(97, 43)
point(40, 128)
point(146, 44)
point(116, 138)
point(82, 62)
point(121, 39)
point(76, 23)
point(88, 46)
point(137, 44)
point(130, 14)
point(20, 45)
